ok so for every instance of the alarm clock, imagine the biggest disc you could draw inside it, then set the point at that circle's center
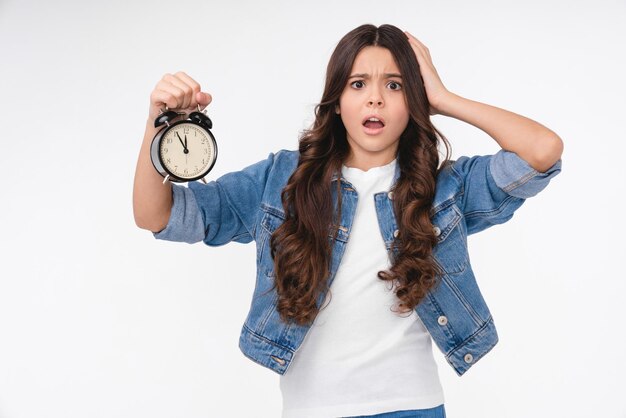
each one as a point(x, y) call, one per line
point(185, 150)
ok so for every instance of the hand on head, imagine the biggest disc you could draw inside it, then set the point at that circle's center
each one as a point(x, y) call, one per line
point(435, 90)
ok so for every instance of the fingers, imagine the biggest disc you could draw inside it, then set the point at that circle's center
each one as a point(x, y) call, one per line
point(203, 99)
point(161, 98)
point(418, 47)
point(198, 97)
point(181, 88)
point(178, 91)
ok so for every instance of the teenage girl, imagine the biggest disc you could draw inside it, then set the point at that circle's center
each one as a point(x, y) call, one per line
point(361, 233)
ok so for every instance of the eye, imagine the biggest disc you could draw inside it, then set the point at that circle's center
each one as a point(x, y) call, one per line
point(395, 85)
point(357, 81)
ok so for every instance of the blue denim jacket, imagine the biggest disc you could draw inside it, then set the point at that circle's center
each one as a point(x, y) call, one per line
point(472, 194)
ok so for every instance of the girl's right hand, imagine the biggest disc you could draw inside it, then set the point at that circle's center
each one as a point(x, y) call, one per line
point(178, 92)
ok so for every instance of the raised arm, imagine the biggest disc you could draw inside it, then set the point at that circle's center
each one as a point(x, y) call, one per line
point(540, 147)
point(152, 200)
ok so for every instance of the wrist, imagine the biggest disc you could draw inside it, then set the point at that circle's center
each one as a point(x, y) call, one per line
point(150, 132)
point(445, 104)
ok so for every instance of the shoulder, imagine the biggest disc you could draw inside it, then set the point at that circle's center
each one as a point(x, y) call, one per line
point(456, 175)
point(284, 163)
point(286, 157)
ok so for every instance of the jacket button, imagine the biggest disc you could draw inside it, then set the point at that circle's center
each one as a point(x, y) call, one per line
point(396, 233)
point(437, 231)
point(390, 195)
point(278, 360)
point(442, 320)
point(468, 358)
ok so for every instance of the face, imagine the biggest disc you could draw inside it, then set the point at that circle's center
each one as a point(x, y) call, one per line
point(186, 151)
point(374, 88)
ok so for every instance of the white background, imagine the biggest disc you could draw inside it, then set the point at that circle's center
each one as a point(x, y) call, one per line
point(98, 319)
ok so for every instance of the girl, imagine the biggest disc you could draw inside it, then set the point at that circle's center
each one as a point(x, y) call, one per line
point(364, 208)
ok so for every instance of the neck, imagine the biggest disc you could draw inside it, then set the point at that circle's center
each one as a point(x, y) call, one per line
point(366, 163)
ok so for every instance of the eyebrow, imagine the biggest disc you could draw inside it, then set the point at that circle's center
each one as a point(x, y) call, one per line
point(366, 76)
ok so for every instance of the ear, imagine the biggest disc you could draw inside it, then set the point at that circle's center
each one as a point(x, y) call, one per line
point(337, 111)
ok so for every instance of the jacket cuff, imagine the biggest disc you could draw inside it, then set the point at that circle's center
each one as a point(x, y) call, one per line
point(518, 178)
point(185, 223)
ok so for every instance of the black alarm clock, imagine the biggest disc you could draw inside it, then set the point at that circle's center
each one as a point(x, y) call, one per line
point(185, 150)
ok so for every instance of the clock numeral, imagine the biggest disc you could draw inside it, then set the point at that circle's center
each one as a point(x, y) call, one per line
point(203, 163)
point(185, 171)
point(206, 150)
point(169, 160)
point(164, 150)
point(186, 130)
point(169, 140)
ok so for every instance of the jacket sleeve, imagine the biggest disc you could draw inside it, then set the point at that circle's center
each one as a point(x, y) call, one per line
point(220, 211)
point(494, 186)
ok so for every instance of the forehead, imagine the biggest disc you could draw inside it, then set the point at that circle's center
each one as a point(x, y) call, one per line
point(373, 60)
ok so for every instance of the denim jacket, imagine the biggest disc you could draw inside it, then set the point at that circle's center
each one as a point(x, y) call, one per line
point(472, 194)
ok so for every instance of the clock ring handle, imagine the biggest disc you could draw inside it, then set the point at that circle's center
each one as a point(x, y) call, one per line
point(167, 109)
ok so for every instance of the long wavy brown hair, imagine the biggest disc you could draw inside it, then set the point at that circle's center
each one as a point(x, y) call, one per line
point(301, 246)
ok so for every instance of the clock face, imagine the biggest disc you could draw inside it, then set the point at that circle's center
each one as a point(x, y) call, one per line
point(187, 151)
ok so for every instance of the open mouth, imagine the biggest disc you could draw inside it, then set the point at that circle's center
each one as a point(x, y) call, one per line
point(373, 125)
point(373, 122)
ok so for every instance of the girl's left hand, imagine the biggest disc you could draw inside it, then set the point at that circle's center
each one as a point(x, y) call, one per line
point(435, 90)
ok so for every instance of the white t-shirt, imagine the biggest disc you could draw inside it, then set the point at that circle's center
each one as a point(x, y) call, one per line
point(359, 357)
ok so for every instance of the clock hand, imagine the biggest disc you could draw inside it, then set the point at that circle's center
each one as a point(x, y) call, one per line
point(185, 150)
point(181, 140)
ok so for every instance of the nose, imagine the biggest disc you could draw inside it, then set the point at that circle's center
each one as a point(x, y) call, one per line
point(375, 97)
